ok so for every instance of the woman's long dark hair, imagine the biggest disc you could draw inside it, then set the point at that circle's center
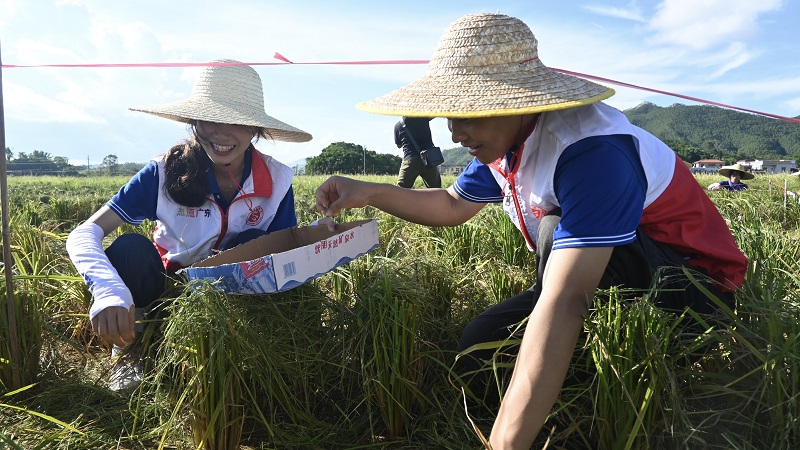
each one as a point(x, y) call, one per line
point(185, 169)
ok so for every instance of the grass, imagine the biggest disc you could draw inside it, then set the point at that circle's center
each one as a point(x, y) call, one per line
point(361, 357)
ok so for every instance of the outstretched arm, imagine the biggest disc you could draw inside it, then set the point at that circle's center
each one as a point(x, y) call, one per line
point(570, 280)
point(112, 313)
point(432, 207)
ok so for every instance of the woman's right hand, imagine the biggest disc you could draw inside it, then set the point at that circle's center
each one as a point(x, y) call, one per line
point(115, 325)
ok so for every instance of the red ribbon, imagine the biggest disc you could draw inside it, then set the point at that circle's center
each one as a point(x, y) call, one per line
point(283, 61)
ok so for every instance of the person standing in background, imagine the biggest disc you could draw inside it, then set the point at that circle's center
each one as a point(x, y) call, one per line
point(413, 134)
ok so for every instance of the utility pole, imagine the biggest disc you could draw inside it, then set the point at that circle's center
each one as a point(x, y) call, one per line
point(87, 164)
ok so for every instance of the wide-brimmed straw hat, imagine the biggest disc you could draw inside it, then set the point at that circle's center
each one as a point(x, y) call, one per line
point(487, 65)
point(227, 92)
point(725, 171)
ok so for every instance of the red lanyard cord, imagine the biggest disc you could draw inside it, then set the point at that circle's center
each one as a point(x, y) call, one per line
point(514, 162)
point(239, 189)
point(522, 227)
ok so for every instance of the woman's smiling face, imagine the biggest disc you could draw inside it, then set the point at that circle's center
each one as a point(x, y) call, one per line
point(224, 143)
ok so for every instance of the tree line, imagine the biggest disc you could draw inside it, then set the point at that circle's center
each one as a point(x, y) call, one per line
point(352, 159)
point(338, 157)
point(39, 162)
point(695, 132)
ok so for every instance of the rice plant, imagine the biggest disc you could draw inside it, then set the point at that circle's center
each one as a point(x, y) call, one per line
point(362, 356)
point(634, 354)
point(21, 340)
point(392, 364)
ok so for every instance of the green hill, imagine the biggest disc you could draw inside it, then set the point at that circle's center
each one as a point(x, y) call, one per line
point(718, 132)
point(701, 131)
point(456, 156)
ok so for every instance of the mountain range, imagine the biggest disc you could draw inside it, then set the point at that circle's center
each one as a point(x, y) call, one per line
point(703, 131)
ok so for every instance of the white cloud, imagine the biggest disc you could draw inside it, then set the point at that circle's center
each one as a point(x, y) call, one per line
point(793, 104)
point(30, 106)
point(29, 51)
point(632, 12)
point(128, 41)
point(732, 57)
point(700, 25)
point(764, 87)
point(7, 10)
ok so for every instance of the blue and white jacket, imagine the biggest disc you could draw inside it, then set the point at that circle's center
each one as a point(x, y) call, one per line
point(185, 235)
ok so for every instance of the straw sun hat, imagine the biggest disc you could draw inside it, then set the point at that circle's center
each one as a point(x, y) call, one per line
point(230, 94)
point(725, 171)
point(487, 65)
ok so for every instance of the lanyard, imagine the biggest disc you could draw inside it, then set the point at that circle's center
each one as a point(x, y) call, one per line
point(511, 180)
point(513, 164)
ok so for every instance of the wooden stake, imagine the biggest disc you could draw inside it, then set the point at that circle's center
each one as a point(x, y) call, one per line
point(15, 362)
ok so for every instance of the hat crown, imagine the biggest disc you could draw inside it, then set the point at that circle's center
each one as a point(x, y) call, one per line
point(483, 44)
point(230, 92)
point(487, 65)
point(235, 85)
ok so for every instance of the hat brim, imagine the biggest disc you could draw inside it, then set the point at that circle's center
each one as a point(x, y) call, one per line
point(189, 111)
point(475, 96)
point(745, 175)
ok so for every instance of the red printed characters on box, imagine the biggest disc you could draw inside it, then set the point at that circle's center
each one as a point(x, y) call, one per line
point(334, 242)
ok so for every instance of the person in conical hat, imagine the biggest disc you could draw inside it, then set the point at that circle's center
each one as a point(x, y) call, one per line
point(734, 174)
point(211, 192)
point(602, 203)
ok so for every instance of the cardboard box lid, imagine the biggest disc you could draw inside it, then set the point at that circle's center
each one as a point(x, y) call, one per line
point(277, 242)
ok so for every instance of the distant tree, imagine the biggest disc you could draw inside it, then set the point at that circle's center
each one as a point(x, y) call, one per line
point(35, 156)
point(688, 152)
point(351, 159)
point(35, 163)
point(713, 150)
point(129, 168)
point(9, 154)
point(61, 162)
point(383, 163)
point(110, 163)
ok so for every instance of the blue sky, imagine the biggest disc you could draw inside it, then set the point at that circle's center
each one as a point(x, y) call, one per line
point(739, 52)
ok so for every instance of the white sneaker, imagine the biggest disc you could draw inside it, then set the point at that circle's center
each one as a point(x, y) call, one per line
point(126, 375)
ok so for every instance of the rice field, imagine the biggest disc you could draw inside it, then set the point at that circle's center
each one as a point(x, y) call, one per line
point(361, 357)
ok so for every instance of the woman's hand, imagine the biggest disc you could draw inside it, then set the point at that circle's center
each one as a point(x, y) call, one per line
point(115, 325)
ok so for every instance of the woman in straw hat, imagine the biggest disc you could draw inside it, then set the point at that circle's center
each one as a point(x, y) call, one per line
point(734, 174)
point(211, 192)
point(536, 136)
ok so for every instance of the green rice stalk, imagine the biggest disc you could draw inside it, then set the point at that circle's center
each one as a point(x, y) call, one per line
point(393, 367)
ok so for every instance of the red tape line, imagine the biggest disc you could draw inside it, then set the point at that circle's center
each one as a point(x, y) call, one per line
point(286, 61)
